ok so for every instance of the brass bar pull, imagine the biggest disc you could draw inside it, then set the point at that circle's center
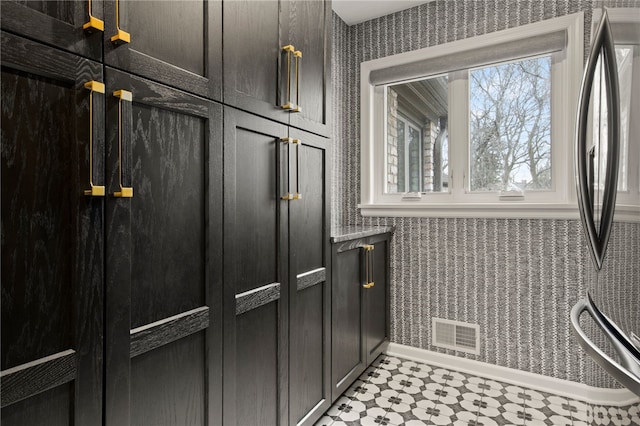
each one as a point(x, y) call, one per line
point(368, 262)
point(122, 95)
point(94, 24)
point(95, 190)
point(121, 36)
point(298, 55)
point(288, 104)
point(298, 194)
point(288, 196)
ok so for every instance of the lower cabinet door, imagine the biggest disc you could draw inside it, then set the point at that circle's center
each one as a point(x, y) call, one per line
point(52, 236)
point(163, 255)
point(256, 271)
point(376, 299)
point(347, 351)
point(309, 294)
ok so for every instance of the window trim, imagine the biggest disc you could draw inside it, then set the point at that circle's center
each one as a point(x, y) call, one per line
point(374, 201)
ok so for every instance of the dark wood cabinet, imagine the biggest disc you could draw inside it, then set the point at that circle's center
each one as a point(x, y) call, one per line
point(116, 231)
point(178, 43)
point(261, 77)
point(112, 238)
point(57, 23)
point(163, 254)
point(52, 239)
point(310, 295)
point(360, 307)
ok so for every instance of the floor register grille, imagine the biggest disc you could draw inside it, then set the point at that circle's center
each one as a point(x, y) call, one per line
point(395, 391)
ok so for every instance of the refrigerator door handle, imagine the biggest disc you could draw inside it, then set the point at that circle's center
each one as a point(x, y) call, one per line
point(627, 372)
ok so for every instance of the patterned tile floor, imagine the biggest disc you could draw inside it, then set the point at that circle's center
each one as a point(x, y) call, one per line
point(395, 391)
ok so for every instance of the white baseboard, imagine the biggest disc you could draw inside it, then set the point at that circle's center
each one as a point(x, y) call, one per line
point(566, 388)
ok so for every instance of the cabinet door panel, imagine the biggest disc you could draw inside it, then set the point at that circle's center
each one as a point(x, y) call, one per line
point(256, 281)
point(176, 43)
point(163, 248)
point(57, 23)
point(168, 213)
point(169, 383)
point(254, 74)
point(376, 297)
point(309, 386)
point(346, 320)
point(310, 24)
point(257, 207)
point(49, 408)
point(257, 383)
point(52, 243)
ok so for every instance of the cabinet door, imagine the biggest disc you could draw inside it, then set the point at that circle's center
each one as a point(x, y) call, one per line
point(255, 66)
point(310, 27)
point(256, 271)
point(348, 360)
point(163, 255)
point(376, 300)
point(58, 23)
point(309, 303)
point(52, 239)
point(177, 43)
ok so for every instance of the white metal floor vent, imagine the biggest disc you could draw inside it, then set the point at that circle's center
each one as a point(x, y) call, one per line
point(456, 335)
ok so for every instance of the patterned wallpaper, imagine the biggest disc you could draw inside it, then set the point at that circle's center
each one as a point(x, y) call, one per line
point(517, 279)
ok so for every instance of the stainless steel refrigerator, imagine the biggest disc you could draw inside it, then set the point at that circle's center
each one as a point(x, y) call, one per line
point(608, 184)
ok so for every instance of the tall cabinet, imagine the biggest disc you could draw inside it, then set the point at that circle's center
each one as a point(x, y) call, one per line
point(157, 269)
point(277, 281)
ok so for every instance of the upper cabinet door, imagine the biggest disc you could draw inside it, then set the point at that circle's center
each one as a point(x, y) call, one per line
point(75, 26)
point(309, 26)
point(177, 43)
point(52, 202)
point(255, 67)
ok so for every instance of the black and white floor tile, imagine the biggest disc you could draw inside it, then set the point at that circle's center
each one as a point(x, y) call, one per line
point(395, 391)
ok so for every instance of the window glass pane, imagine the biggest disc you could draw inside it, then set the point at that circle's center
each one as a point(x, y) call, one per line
point(510, 126)
point(416, 140)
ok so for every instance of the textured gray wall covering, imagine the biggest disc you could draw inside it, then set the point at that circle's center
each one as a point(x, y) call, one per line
point(516, 278)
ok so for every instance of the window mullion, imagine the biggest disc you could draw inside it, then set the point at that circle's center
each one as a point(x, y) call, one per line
point(458, 133)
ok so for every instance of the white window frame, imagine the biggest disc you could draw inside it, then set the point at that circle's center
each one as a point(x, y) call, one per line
point(559, 203)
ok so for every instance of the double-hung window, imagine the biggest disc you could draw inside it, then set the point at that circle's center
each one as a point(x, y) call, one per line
point(478, 127)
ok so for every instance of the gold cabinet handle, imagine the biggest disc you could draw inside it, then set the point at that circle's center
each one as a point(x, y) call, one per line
point(121, 36)
point(368, 265)
point(94, 190)
point(123, 96)
point(298, 194)
point(298, 55)
point(288, 105)
point(288, 196)
point(94, 24)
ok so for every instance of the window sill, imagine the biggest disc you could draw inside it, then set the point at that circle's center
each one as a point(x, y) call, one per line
point(505, 210)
